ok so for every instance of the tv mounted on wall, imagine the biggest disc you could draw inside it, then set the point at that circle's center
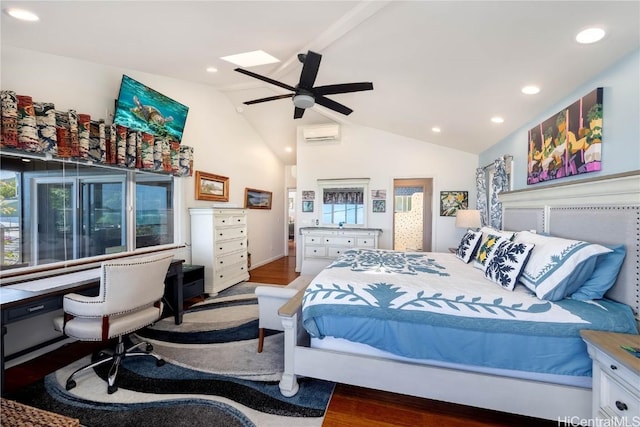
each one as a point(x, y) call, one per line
point(141, 108)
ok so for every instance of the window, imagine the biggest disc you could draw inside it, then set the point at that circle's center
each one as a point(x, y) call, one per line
point(344, 201)
point(53, 211)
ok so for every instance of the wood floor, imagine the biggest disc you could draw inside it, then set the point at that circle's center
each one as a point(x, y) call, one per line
point(349, 407)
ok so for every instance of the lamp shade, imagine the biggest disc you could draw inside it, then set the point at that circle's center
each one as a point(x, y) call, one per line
point(468, 218)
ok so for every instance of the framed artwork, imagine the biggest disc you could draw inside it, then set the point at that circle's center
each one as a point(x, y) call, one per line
point(257, 199)
point(307, 206)
point(379, 206)
point(308, 195)
point(451, 201)
point(212, 187)
point(378, 195)
point(567, 143)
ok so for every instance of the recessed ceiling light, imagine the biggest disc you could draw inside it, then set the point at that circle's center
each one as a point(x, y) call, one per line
point(21, 14)
point(590, 35)
point(288, 149)
point(212, 70)
point(251, 59)
point(436, 129)
point(497, 119)
point(530, 90)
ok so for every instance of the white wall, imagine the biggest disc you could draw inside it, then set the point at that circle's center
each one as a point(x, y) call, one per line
point(381, 156)
point(620, 127)
point(224, 143)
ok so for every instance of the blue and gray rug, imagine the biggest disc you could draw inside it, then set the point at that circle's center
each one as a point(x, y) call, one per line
point(213, 376)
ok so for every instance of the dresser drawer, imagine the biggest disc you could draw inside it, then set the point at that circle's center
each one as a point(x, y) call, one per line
point(315, 251)
point(616, 400)
point(313, 240)
point(343, 241)
point(230, 233)
point(365, 242)
point(222, 262)
point(222, 221)
point(231, 271)
point(230, 246)
point(336, 252)
point(614, 369)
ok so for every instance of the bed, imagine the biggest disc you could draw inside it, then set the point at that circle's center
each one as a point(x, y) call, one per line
point(480, 344)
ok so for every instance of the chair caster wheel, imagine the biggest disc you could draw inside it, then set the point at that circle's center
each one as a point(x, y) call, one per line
point(112, 389)
point(149, 348)
point(160, 362)
point(70, 384)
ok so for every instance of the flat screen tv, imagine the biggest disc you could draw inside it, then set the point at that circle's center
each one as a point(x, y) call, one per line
point(141, 108)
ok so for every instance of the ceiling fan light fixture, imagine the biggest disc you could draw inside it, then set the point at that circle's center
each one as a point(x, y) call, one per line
point(303, 101)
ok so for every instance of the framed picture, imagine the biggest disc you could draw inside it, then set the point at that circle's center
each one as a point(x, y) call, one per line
point(307, 206)
point(212, 187)
point(379, 206)
point(451, 201)
point(257, 199)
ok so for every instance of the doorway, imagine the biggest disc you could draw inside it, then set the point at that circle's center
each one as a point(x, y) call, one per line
point(412, 214)
point(290, 249)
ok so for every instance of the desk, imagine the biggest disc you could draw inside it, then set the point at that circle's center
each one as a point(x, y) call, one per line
point(19, 304)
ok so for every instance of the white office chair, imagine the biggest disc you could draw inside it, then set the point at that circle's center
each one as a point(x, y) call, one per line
point(130, 298)
point(270, 299)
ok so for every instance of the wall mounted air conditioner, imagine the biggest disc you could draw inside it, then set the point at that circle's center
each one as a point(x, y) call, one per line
point(321, 133)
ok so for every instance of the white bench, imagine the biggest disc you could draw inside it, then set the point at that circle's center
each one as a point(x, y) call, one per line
point(270, 299)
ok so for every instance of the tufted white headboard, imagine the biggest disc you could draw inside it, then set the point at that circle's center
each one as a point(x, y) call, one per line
point(603, 210)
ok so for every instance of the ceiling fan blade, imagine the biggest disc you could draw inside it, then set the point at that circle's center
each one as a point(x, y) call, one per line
point(298, 112)
point(343, 88)
point(269, 98)
point(309, 70)
point(266, 79)
point(333, 105)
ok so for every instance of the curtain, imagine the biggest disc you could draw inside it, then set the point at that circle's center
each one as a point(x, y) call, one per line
point(481, 196)
point(499, 183)
point(351, 196)
point(490, 182)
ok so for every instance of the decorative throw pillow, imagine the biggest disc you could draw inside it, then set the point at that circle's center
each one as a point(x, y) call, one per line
point(489, 242)
point(468, 245)
point(604, 275)
point(506, 262)
point(557, 267)
point(486, 230)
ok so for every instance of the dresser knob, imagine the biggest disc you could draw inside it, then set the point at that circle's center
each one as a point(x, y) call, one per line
point(621, 405)
point(613, 367)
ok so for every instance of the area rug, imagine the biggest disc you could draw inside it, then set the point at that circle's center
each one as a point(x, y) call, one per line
point(213, 376)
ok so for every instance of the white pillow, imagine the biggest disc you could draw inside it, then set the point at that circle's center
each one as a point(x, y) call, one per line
point(506, 263)
point(468, 245)
point(557, 267)
point(501, 233)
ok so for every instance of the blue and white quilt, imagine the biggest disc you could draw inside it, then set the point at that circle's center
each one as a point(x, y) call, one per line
point(433, 306)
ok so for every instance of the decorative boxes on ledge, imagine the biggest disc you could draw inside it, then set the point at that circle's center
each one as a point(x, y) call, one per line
point(37, 127)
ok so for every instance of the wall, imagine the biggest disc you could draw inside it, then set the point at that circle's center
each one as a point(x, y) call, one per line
point(224, 143)
point(381, 156)
point(621, 127)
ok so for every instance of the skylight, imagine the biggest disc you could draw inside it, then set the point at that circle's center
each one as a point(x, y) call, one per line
point(251, 59)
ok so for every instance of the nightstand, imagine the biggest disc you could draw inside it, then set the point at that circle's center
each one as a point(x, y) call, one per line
point(453, 250)
point(616, 376)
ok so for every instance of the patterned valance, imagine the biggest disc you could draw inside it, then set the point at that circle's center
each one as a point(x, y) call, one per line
point(37, 127)
point(352, 196)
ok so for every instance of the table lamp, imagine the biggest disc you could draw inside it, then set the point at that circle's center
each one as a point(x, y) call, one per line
point(468, 218)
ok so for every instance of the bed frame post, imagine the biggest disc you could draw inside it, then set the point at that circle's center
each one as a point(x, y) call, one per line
point(289, 313)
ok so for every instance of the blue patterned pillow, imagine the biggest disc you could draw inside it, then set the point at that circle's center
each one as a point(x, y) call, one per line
point(557, 267)
point(506, 262)
point(468, 245)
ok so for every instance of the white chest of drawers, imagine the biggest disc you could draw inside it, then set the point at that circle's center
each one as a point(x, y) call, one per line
point(321, 245)
point(219, 242)
point(616, 377)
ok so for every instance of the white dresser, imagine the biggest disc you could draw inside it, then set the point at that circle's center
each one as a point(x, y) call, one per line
point(219, 242)
point(321, 245)
point(616, 377)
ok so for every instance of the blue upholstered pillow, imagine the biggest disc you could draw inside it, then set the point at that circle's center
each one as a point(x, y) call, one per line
point(604, 275)
point(468, 245)
point(506, 263)
point(557, 267)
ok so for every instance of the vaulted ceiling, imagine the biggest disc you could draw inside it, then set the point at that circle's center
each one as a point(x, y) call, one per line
point(446, 64)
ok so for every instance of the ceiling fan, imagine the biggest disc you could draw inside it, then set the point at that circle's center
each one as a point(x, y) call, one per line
point(304, 94)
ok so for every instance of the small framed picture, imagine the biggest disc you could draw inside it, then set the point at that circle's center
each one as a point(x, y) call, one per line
point(212, 187)
point(379, 206)
point(307, 206)
point(451, 201)
point(257, 199)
